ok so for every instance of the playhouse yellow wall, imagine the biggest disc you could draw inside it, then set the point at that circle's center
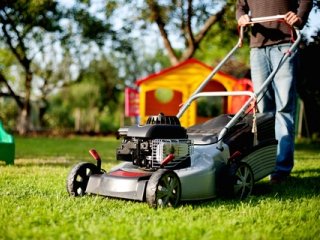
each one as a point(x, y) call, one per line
point(185, 80)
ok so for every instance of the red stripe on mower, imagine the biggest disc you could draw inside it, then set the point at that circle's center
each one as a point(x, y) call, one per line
point(122, 173)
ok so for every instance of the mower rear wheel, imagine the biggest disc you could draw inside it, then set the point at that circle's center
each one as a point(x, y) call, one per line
point(242, 179)
point(163, 189)
point(78, 178)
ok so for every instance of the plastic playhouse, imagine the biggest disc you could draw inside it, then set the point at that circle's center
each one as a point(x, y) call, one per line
point(166, 90)
point(7, 146)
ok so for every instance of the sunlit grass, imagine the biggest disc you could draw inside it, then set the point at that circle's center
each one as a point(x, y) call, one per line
point(34, 203)
point(71, 149)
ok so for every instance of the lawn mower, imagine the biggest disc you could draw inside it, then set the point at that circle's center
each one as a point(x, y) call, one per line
point(163, 163)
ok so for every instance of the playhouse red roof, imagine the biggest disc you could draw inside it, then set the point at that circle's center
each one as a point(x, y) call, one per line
point(169, 69)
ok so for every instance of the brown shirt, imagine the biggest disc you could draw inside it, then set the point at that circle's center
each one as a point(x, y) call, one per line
point(270, 33)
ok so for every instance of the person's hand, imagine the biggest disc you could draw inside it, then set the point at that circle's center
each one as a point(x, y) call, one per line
point(292, 19)
point(243, 20)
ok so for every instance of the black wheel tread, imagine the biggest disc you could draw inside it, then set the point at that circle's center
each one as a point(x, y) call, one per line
point(153, 184)
point(79, 169)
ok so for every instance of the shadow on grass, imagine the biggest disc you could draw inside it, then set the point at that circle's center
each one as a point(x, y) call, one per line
point(312, 147)
point(303, 183)
point(56, 162)
point(296, 187)
point(46, 163)
point(293, 188)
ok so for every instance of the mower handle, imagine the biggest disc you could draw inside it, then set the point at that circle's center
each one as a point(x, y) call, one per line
point(262, 20)
point(245, 107)
point(267, 19)
point(238, 45)
point(242, 111)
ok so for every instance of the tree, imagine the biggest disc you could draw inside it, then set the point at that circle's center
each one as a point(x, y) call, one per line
point(206, 30)
point(23, 24)
point(221, 38)
point(182, 25)
point(96, 92)
point(191, 19)
point(309, 86)
point(28, 27)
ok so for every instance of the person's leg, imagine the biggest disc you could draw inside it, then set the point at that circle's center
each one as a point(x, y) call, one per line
point(260, 70)
point(285, 98)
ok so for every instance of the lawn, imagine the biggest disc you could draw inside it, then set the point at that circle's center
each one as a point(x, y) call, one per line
point(34, 203)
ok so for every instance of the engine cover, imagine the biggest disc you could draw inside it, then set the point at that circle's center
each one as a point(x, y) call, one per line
point(148, 145)
point(162, 131)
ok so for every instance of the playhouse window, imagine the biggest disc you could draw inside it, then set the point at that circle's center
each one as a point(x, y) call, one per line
point(164, 95)
point(210, 106)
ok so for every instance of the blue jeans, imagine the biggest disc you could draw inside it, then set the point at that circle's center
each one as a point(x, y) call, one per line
point(280, 98)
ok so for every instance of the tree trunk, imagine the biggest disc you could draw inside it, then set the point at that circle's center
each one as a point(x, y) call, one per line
point(24, 122)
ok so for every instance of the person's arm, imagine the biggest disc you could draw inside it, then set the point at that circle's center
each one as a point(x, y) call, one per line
point(303, 11)
point(293, 19)
point(242, 10)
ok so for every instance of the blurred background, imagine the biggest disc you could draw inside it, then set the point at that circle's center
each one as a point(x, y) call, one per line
point(65, 65)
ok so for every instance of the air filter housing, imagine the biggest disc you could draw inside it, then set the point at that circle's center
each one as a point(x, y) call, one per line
point(163, 120)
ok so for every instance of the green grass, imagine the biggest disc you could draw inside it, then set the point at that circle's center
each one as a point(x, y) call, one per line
point(72, 149)
point(34, 203)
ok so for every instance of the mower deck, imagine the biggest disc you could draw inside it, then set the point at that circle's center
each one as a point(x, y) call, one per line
point(120, 183)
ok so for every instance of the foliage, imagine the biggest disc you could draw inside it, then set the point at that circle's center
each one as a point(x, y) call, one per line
point(209, 107)
point(35, 205)
point(308, 86)
point(8, 113)
point(31, 30)
point(91, 27)
point(88, 102)
point(182, 25)
point(221, 38)
point(23, 24)
point(86, 53)
point(103, 75)
point(59, 117)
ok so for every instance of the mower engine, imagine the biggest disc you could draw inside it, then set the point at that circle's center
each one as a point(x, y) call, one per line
point(161, 143)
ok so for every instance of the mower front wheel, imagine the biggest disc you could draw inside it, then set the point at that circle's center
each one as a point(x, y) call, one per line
point(163, 189)
point(78, 178)
point(242, 179)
